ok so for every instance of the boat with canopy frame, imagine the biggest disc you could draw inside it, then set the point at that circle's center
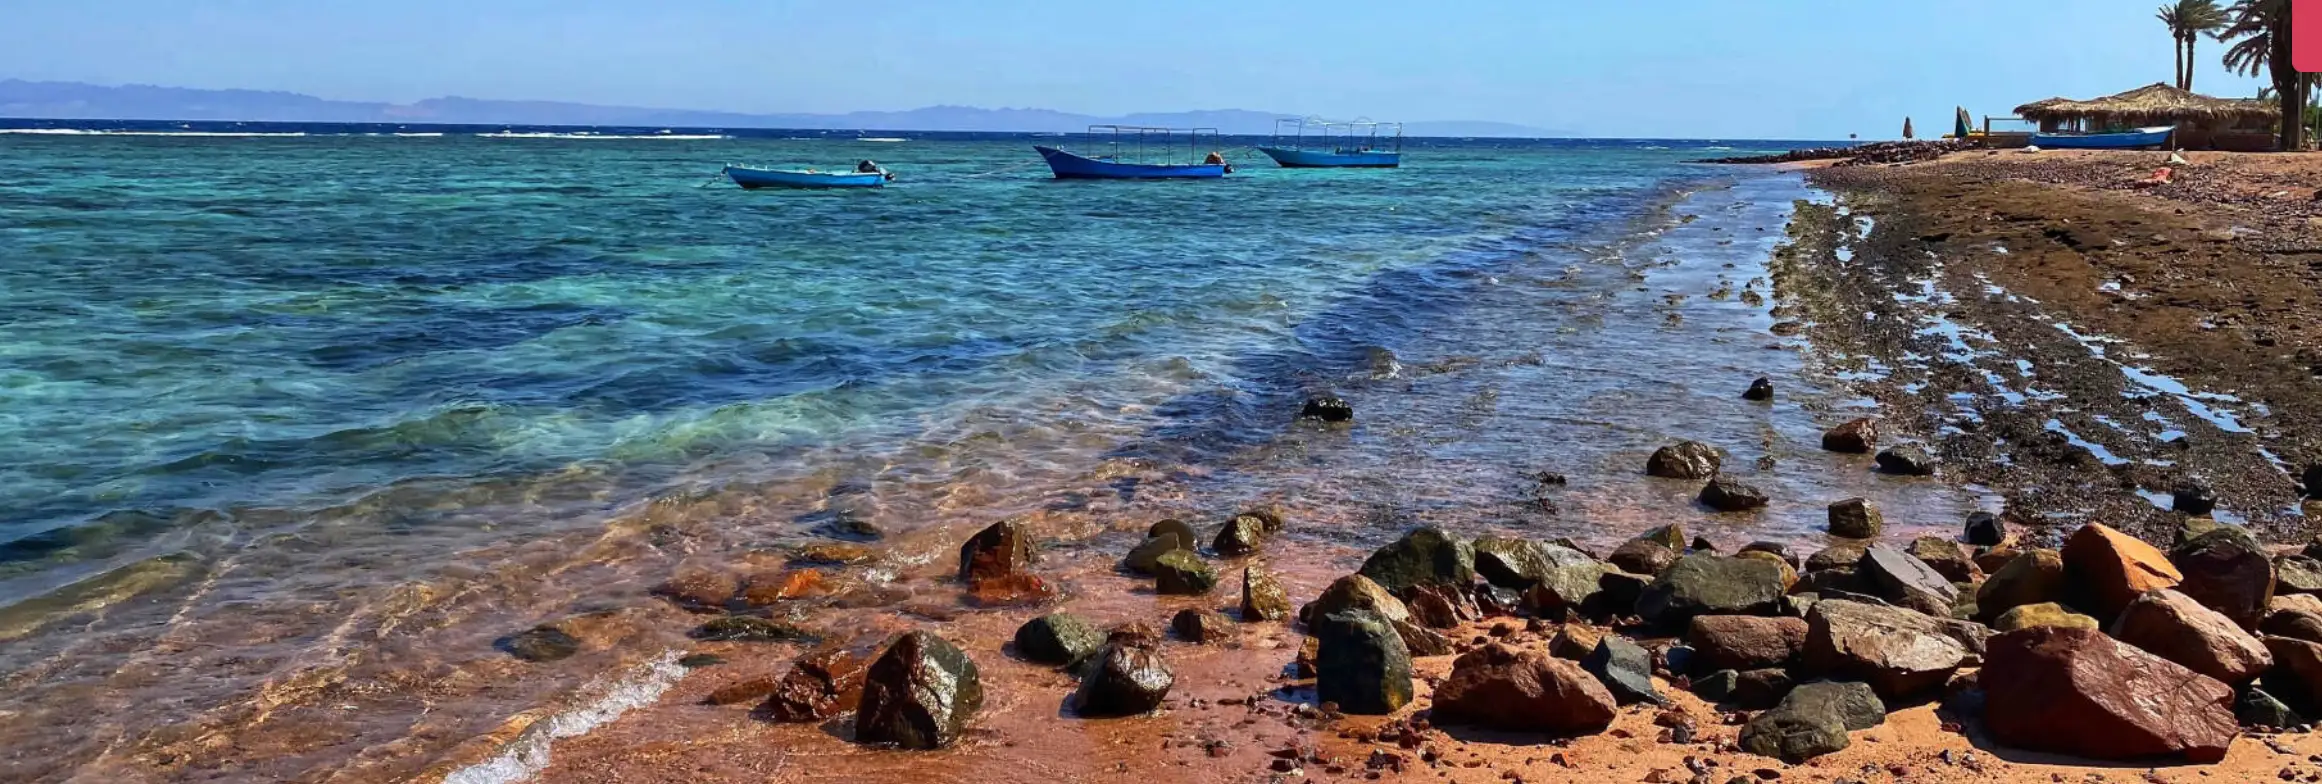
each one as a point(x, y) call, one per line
point(1136, 152)
point(1312, 143)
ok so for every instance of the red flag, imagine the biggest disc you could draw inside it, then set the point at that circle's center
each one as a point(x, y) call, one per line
point(2306, 34)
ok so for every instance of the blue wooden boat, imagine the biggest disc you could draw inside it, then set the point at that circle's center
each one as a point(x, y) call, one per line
point(1308, 143)
point(1131, 152)
point(2155, 136)
point(753, 179)
point(1068, 166)
point(1333, 159)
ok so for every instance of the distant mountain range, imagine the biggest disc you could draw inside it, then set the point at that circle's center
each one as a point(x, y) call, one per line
point(79, 101)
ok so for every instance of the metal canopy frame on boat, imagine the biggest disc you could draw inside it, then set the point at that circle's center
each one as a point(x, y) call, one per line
point(1326, 130)
point(1148, 145)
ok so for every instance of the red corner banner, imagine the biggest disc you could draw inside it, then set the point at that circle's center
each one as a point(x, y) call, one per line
point(2306, 34)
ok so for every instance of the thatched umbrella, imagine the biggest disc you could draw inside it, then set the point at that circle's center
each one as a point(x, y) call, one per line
point(1907, 128)
point(2155, 103)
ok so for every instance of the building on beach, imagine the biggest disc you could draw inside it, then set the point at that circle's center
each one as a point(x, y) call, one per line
point(2203, 122)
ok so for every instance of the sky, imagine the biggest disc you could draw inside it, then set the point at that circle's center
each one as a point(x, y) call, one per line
point(1775, 69)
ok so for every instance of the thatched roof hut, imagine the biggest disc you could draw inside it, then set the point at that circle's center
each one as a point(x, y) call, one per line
point(2153, 104)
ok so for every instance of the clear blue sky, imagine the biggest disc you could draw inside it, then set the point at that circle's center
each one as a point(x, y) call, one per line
point(1683, 68)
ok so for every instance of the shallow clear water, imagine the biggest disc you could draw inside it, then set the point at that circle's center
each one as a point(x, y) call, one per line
point(264, 327)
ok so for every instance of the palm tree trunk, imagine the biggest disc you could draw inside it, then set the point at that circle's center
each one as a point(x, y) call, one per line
point(2180, 63)
point(2289, 87)
point(2185, 82)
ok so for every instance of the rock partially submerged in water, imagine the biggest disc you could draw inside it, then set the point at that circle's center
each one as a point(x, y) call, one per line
point(1856, 518)
point(1425, 556)
point(749, 628)
point(1361, 663)
point(1732, 495)
point(1181, 573)
point(1685, 460)
point(1906, 460)
point(1001, 550)
point(1760, 390)
point(1125, 679)
point(1243, 534)
point(1202, 626)
point(1503, 688)
point(920, 694)
point(823, 683)
point(1145, 555)
point(1859, 436)
point(543, 643)
point(1326, 408)
point(1058, 638)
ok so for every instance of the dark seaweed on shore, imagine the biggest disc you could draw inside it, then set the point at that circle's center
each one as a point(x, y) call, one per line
point(1859, 155)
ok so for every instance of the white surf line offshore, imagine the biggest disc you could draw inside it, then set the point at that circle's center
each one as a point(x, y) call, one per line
point(527, 755)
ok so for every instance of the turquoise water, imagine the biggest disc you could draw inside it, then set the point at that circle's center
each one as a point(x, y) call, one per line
point(264, 327)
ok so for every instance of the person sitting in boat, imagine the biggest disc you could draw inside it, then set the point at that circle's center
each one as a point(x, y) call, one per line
point(1215, 158)
point(867, 167)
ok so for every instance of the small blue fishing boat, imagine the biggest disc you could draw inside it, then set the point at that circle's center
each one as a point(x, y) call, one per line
point(1129, 152)
point(1322, 144)
point(753, 179)
point(2155, 136)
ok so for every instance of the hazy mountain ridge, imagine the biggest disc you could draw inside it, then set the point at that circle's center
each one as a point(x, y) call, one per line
point(81, 101)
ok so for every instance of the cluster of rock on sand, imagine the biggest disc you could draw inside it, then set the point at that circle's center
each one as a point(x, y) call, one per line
point(2106, 648)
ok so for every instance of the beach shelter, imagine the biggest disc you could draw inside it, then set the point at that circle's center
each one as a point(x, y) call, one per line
point(1907, 128)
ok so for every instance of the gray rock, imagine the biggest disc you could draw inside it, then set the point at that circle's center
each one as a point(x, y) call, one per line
point(1058, 639)
point(2296, 574)
point(1902, 654)
point(2253, 707)
point(1856, 518)
point(1145, 555)
point(1426, 555)
point(1361, 663)
point(1732, 495)
point(1907, 581)
point(1712, 585)
point(1812, 721)
point(1625, 669)
point(1685, 460)
point(1855, 705)
point(1906, 460)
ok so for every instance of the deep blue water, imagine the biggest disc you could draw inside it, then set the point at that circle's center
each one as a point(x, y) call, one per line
point(271, 327)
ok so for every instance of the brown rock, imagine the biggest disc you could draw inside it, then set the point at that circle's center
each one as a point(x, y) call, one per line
point(1575, 641)
point(1857, 437)
point(1685, 460)
point(764, 589)
point(749, 690)
point(1900, 653)
point(2078, 692)
point(2173, 626)
point(2297, 669)
point(1946, 557)
point(1022, 589)
point(1262, 597)
point(1788, 570)
point(1002, 550)
point(2026, 616)
point(1499, 687)
point(823, 683)
point(2297, 616)
point(2033, 577)
point(1907, 581)
point(1740, 642)
point(2105, 569)
point(1837, 556)
point(1856, 518)
point(1640, 556)
point(2229, 571)
point(698, 589)
point(1355, 592)
point(1202, 626)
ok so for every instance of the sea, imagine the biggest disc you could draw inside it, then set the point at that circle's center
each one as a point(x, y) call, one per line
point(278, 402)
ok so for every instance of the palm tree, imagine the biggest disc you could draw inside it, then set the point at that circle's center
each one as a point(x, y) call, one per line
point(2187, 21)
point(2261, 34)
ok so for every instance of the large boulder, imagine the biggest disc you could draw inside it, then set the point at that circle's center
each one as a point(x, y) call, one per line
point(1625, 668)
point(1685, 460)
point(1361, 663)
point(1181, 573)
point(1355, 592)
point(2173, 626)
point(2297, 672)
point(1902, 654)
point(1575, 587)
point(1002, 550)
point(1124, 679)
point(1518, 564)
point(1732, 495)
point(2032, 577)
point(1742, 642)
point(1712, 585)
point(1859, 437)
point(1262, 597)
point(1907, 581)
point(1502, 688)
point(2229, 571)
point(1813, 720)
point(1058, 638)
point(1640, 556)
point(2105, 569)
point(2078, 692)
point(920, 694)
point(1426, 555)
point(2297, 616)
point(1856, 518)
point(2025, 616)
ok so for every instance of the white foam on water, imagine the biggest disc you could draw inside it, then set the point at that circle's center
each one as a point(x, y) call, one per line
point(882, 139)
point(87, 132)
point(544, 135)
point(527, 755)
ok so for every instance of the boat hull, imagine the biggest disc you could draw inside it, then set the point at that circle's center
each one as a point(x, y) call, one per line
point(754, 179)
point(2141, 137)
point(1068, 166)
point(1316, 159)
